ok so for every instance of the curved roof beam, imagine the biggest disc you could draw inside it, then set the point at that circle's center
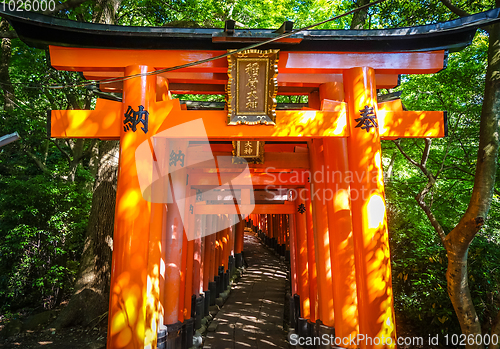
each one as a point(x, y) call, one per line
point(39, 31)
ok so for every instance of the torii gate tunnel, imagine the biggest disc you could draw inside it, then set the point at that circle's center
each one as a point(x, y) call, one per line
point(314, 189)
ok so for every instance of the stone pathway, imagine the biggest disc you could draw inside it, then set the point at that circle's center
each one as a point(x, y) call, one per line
point(252, 316)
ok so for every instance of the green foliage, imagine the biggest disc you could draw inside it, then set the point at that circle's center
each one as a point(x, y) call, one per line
point(248, 13)
point(418, 256)
point(419, 266)
point(43, 209)
point(42, 224)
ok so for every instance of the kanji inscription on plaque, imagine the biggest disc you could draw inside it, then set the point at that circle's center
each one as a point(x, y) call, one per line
point(250, 151)
point(252, 87)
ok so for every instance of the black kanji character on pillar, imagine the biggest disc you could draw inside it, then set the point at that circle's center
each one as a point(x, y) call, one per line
point(191, 208)
point(176, 157)
point(302, 208)
point(199, 197)
point(133, 118)
point(367, 120)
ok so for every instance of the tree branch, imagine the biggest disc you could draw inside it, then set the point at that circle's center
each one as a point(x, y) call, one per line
point(456, 10)
point(9, 34)
point(431, 181)
point(425, 154)
point(65, 6)
point(88, 152)
point(427, 210)
point(413, 162)
point(37, 161)
point(65, 153)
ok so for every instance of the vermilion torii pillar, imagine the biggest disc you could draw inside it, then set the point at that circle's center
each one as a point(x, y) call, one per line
point(127, 309)
point(340, 224)
point(373, 270)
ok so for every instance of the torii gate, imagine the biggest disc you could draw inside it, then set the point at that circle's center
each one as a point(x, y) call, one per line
point(345, 235)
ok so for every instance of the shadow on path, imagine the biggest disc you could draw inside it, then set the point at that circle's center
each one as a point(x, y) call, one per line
point(252, 316)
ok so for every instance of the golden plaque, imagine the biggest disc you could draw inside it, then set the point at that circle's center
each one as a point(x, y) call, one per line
point(248, 151)
point(252, 87)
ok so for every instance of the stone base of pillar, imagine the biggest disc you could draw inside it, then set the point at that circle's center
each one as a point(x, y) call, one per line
point(303, 329)
point(239, 260)
point(212, 286)
point(311, 332)
point(291, 314)
point(200, 311)
point(187, 334)
point(230, 264)
point(325, 332)
point(218, 287)
point(170, 335)
point(193, 306)
point(206, 304)
point(226, 280)
point(161, 339)
point(295, 312)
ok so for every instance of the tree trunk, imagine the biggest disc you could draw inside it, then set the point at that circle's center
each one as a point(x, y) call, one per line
point(6, 51)
point(459, 292)
point(359, 18)
point(495, 329)
point(90, 299)
point(458, 240)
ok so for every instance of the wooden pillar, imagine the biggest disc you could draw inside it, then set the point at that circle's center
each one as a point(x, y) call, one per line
point(190, 271)
point(232, 219)
point(220, 233)
point(182, 287)
point(187, 258)
point(283, 229)
point(371, 241)
point(218, 245)
point(302, 252)
point(321, 234)
point(269, 226)
point(276, 228)
point(127, 308)
point(293, 258)
point(208, 254)
point(239, 231)
point(156, 263)
point(223, 241)
point(213, 248)
point(311, 255)
point(226, 241)
point(313, 100)
point(288, 232)
point(281, 225)
point(174, 241)
point(197, 257)
point(340, 226)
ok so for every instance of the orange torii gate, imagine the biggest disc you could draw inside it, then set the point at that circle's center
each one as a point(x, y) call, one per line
point(338, 245)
